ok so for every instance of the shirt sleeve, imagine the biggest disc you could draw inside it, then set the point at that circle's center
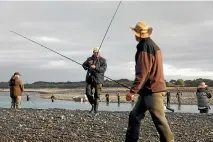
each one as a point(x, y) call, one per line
point(102, 68)
point(142, 71)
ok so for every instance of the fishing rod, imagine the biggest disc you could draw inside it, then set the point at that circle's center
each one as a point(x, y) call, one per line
point(109, 25)
point(68, 58)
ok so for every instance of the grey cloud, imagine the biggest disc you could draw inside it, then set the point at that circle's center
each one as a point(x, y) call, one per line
point(183, 31)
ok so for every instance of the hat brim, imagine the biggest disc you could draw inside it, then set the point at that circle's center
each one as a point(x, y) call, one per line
point(96, 51)
point(142, 35)
point(17, 74)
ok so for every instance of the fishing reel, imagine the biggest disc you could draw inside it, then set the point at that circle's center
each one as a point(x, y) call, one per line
point(90, 62)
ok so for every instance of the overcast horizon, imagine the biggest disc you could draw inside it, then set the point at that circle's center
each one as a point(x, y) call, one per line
point(182, 30)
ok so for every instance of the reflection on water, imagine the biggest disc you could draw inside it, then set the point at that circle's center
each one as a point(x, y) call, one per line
point(107, 104)
point(36, 102)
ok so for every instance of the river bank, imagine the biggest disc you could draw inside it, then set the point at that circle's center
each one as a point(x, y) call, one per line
point(188, 94)
point(46, 125)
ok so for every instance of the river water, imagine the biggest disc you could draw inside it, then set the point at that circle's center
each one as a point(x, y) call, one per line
point(38, 103)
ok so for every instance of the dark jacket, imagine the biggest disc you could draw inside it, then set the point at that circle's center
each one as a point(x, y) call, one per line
point(95, 76)
point(168, 95)
point(16, 87)
point(149, 75)
point(178, 95)
point(203, 98)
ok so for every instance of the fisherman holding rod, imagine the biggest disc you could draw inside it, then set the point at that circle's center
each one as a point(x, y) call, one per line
point(96, 67)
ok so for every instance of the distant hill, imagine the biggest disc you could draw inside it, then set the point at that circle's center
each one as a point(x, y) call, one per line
point(108, 83)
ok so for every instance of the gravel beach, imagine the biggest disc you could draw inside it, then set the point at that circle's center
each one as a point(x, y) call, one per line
point(59, 125)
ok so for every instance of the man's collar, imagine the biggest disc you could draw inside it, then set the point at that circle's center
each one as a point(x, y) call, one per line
point(96, 57)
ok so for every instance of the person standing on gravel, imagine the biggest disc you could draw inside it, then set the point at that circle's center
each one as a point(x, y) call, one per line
point(203, 96)
point(150, 84)
point(16, 89)
point(96, 66)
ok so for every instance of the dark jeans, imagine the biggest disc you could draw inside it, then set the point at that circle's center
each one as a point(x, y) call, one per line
point(168, 101)
point(179, 101)
point(107, 100)
point(16, 101)
point(94, 101)
point(118, 99)
point(97, 93)
point(155, 105)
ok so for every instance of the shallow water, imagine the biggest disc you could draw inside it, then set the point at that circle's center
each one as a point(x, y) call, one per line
point(39, 103)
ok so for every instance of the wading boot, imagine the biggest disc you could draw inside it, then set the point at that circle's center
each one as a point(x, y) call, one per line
point(12, 105)
point(92, 108)
point(96, 106)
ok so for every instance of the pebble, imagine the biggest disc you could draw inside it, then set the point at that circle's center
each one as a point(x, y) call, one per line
point(81, 126)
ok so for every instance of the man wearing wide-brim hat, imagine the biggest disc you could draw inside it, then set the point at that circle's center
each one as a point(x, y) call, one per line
point(16, 89)
point(150, 84)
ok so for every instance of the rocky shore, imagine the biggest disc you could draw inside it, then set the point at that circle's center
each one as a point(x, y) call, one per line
point(59, 125)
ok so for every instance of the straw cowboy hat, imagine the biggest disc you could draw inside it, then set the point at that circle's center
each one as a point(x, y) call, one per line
point(142, 30)
point(202, 85)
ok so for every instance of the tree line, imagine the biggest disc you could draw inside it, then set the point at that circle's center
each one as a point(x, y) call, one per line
point(108, 83)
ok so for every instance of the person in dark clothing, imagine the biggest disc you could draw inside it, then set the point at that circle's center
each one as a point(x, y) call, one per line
point(52, 98)
point(118, 97)
point(96, 67)
point(150, 84)
point(203, 96)
point(178, 96)
point(28, 97)
point(168, 97)
point(107, 98)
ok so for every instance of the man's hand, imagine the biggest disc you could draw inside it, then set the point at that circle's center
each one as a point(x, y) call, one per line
point(92, 66)
point(130, 96)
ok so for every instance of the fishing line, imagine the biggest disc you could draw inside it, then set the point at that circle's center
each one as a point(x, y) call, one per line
point(109, 25)
point(67, 58)
point(31, 100)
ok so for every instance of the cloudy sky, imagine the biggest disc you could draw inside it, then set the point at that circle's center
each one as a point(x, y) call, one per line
point(183, 31)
